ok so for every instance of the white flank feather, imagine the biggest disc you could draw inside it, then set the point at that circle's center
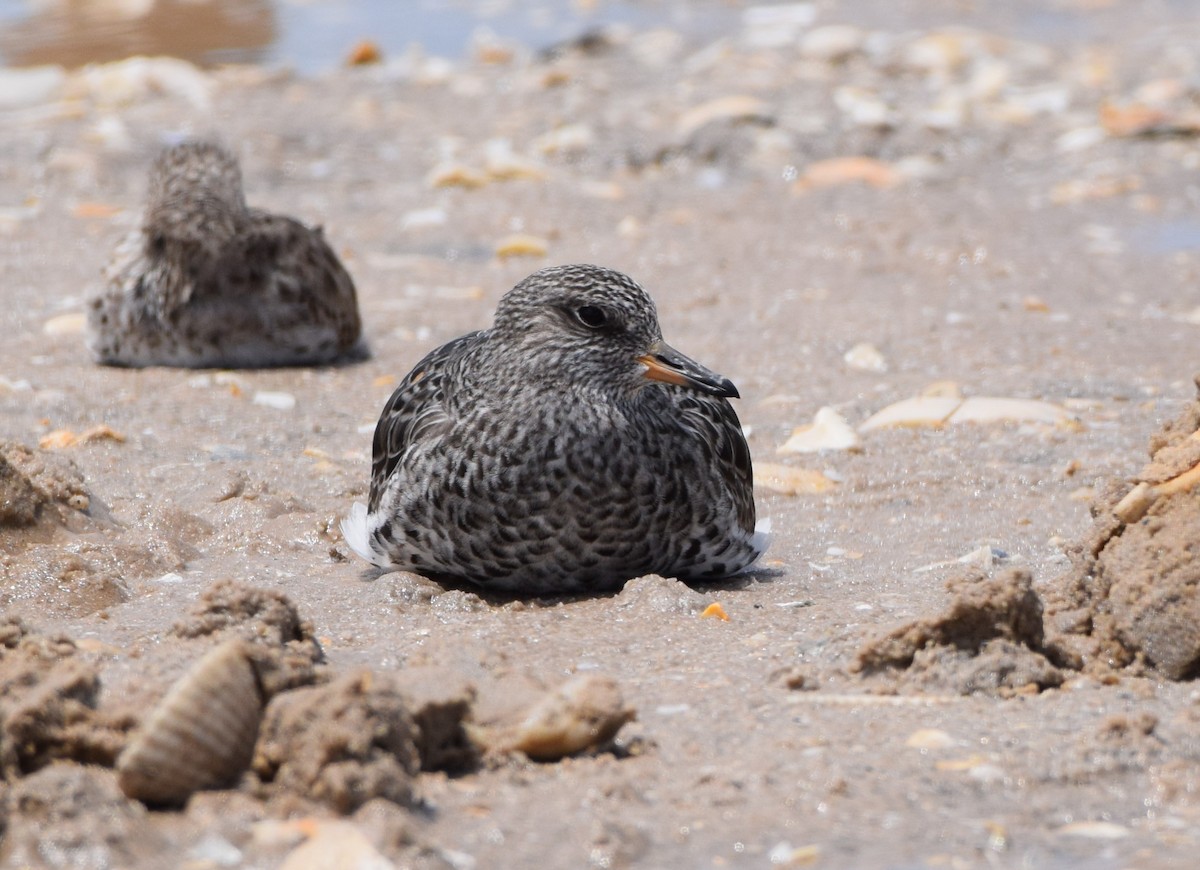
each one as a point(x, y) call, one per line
point(762, 536)
point(358, 534)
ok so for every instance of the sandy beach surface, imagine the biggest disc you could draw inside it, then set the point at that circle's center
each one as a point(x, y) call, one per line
point(968, 646)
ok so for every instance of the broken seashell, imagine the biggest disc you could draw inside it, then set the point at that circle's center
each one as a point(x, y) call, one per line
point(585, 712)
point(201, 735)
point(845, 170)
point(929, 738)
point(992, 409)
point(503, 164)
point(455, 175)
point(866, 358)
point(63, 438)
point(65, 324)
point(1095, 830)
point(918, 411)
point(936, 411)
point(737, 107)
point(828, 431)
point(521, 245)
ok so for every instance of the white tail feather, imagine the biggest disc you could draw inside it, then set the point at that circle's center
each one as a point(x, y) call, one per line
point(357, 532)
point(762, 536)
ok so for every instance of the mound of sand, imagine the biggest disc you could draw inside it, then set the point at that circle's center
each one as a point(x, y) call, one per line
point(1133, 593)
point(1131, 598)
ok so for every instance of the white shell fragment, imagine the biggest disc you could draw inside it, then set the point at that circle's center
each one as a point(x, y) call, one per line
point(929, 738)
point(866, 358)
point(738, 107)
point(989, 409)
point(1095, 830)
point(919, 411)
point(278, 400)
point(828, 431)
point(201, 735)
point(65, 324)
point(936, 411)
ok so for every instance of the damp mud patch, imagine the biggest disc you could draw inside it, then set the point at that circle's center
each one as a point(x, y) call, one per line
point(74, 815)
point(341, 744)
point(283, 645)
point(990, 640)
point(1132, 596)
point(37, 486)
point(48, 700)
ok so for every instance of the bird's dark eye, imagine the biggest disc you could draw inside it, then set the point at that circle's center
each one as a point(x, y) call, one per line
point(592, 316)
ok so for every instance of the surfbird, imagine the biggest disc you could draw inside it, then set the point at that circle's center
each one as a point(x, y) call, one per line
point(566, 449)
point(207, 281)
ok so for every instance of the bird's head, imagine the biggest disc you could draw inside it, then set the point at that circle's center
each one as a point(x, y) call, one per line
point(586, 324)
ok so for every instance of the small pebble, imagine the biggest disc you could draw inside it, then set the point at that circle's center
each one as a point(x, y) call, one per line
point(865, 358)
point(280, 401)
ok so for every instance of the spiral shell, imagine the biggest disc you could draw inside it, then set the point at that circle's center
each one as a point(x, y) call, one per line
point(201, 735)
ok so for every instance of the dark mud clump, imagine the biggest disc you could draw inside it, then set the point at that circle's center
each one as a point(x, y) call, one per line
point(1132, 596)
point(283, 645)
point(990, 639)
point(341, 744)
point(441, 701)
point(37, 486)
point(48, 704)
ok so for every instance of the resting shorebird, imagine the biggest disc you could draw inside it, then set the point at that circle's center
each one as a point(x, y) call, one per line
point(206, 281)
point(566, 449)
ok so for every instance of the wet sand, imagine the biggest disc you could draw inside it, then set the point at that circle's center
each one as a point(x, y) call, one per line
point(1020, 222)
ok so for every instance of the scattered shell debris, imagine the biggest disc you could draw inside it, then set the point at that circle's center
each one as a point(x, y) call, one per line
point(909, 118)
point(828, 431)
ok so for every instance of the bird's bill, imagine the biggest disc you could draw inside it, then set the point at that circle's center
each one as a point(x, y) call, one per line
point(664, 363)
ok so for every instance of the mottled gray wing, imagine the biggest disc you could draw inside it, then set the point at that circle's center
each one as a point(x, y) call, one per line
point(415, 412)
point(716, 424)
point(295, 265)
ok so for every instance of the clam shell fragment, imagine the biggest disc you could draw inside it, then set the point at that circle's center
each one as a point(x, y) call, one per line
point(201, 735)
point(584, 713)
